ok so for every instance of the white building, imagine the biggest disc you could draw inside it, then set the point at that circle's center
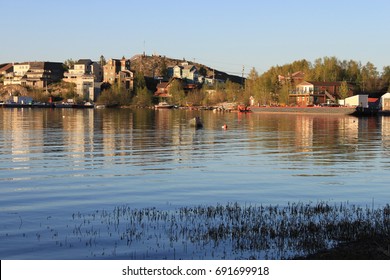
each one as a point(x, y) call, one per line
point(184, 71)
point(87, 88)
point(87, 75)
point(85, 67)
point(360, 100)
point(385, 102)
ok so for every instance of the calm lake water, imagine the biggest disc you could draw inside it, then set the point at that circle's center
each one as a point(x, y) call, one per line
point(60, 169)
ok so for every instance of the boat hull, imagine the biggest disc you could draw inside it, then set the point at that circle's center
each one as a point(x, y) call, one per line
point(163, 105)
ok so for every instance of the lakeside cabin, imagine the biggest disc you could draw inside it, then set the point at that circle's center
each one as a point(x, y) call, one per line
point(316, 93)
point(360, 100)
point(384, 103)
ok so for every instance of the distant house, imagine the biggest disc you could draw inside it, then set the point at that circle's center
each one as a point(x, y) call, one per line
point(314, 93)
point(162, 90)
point(35, 74)
point(184, 71)
point(360, 100)
point(87, 75)
point(175, 71)
point(384, 103)
point(118, 71)
point(212, 79)
point(85, 67)
point(190, 73)
point(5, 69)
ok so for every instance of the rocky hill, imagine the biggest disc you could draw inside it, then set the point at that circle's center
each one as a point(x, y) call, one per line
point(156, 65)
point(6, 91)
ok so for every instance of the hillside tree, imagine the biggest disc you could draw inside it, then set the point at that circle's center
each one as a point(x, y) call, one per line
point(344, 90)
point(177, 93)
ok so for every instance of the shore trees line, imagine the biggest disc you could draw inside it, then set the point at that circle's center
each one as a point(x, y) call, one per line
point(364, 77)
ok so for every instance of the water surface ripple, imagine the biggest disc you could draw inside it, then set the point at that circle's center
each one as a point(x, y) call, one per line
point(57, 162)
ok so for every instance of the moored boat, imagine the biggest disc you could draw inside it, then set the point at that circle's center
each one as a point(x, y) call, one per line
point(74, 105)
point(244, 109)
point(163, 105)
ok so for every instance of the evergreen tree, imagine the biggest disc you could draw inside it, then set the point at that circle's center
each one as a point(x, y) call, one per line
point(102, 61)
point(139, 82)
point(69, 63)
point(369, 78)
point(143, 97)
point(385, 78)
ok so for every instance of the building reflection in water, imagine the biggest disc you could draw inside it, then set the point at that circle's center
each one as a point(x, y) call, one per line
point(145, 137)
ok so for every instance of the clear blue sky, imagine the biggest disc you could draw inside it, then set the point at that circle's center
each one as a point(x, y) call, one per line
point(226, 34)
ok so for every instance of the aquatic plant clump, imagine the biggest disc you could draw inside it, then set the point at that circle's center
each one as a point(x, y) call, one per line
point(229, 231)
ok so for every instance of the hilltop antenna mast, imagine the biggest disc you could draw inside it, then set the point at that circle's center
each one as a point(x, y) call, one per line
point(242, 76)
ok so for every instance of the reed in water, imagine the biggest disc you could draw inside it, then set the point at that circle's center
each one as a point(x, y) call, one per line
point(230, 231)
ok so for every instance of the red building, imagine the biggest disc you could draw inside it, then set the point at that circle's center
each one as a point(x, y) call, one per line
point(315, 93)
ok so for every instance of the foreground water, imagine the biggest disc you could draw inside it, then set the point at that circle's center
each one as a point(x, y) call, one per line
point(64, 173)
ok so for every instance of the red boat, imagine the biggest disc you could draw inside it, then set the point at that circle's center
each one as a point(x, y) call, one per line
point(243, 108)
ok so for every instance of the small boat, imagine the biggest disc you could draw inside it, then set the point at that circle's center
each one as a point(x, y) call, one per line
point(163, 105)
point(64, 105)
point(243, 108)
point(196, 122)
point(74, 105)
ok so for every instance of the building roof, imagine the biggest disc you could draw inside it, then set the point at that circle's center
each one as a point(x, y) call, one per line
point(84, 61)
point(189, 67)
point(386, 95)
point(162, 85)
point(372, 100)
point(298, 74)
point(5, 67)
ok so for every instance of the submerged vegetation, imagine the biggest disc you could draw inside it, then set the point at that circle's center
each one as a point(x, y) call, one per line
point(229, 231)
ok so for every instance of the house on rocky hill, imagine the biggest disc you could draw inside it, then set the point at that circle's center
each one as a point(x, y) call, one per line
point(85, 67)
point(184, 71)
point(35, 74)
point(118, 71)
point(87, 75)
point(162, 88)
point(5, 69)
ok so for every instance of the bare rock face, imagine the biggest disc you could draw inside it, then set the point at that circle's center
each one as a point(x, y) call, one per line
point(9, 90)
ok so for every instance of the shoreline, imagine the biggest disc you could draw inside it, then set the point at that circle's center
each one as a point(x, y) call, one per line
point(351, 111)
point(305, 110)
point(374, 247)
